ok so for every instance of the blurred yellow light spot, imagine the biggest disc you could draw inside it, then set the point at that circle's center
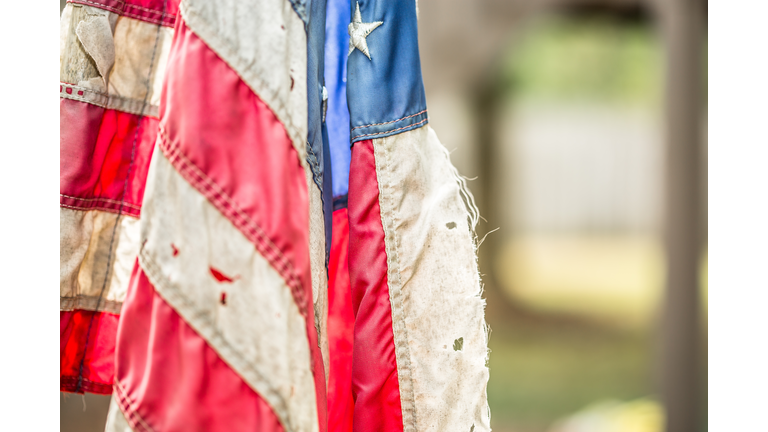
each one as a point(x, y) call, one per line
point(613, 277)
point(641, 415)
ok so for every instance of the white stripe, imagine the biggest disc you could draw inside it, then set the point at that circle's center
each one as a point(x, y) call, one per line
point(135, 42)
point(434, 286)
point(116, 421)
point(264, 41)
point(84, 242)
point(259, 332)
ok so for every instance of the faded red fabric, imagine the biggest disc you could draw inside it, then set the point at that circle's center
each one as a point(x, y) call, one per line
point(237, 155)
point(170, 379)
point(96, 149)
point(374, 365)
point(341, 324)
point(96, 353)
point(240, 158)
point(150, 11)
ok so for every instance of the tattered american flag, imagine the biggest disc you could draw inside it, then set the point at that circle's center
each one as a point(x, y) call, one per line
point(259, 229)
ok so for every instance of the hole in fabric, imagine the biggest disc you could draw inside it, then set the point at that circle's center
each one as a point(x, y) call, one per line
point(223, 299)
point(221, 277)
point(458, 344)
point(451, 225)
point(175, 249)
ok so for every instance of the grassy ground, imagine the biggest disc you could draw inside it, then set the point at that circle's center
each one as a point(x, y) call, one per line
point(540, 373)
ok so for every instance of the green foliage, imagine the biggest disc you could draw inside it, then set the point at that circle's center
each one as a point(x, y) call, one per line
point(564, 59)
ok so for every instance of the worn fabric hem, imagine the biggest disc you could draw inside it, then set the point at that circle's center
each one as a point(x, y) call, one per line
point(394, 283)
point(89, 303)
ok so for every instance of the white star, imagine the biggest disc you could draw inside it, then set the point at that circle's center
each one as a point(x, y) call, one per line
point(358, 30)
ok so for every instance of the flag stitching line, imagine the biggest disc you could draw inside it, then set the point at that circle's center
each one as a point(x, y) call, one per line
point(125, 191)
point(105, 100)
point(122, 399)
point(137, 207)
point(393, 121)
point(270, 96)
point(204, 326)
point(400, 333)
point(237, 216)
point(393, 130)
point(122, 12)
point(100, 208)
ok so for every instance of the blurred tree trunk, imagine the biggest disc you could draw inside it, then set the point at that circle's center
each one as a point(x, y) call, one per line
point(682, 23)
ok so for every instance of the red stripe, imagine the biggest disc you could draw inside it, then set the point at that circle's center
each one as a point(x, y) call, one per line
point(341, 324)
point(374, 366)
point(170, 379)
point(96, 353)
point(96, 149)
point(150, 11)
point(238, 155)
point(228, 145)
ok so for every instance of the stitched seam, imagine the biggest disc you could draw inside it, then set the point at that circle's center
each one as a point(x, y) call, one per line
point(237, 216)
point(137, 207)
point(203, 324)
point(85, 89)
point(315, 167)
point(121, 11)
point(393, 121)
point(83, 99)
point(69, 383)
point(82, 302)
point(268, 95)
point(111, 97)
point(393, 130)
point(116, 103)
point(98, 5)
point(100, 208)
point(122, 399)
point(125, 191)
point(175, 153)
point(399, 331)
point(314, 156)
point(264, 245)
point(154, 11)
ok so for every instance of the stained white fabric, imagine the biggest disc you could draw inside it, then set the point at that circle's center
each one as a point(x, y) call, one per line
point(85, 238)
point(135, 41)
point(259, 331)
point(264, 41)
point(116, 421)
point(434, 286)
point(122, 49)
point(95, 34)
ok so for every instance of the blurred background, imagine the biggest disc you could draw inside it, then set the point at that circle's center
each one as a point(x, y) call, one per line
point(583, 124)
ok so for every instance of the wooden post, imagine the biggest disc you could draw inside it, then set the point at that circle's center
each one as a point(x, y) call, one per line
point(682, 22)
